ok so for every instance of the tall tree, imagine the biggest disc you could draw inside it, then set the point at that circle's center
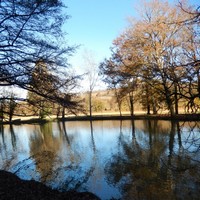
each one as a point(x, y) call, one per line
point(31, 31)
point(118, 73)
point(159, 35)
point(91, 72)
point(110, 72)
point(150, 51)
point(190, 61)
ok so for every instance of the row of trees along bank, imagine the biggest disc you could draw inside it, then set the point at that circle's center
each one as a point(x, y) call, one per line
point(157, 58)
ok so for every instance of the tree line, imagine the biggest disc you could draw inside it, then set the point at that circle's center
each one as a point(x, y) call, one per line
point(156, 60)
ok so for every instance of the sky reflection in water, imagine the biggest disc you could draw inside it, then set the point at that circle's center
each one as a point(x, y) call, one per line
point(113, 159)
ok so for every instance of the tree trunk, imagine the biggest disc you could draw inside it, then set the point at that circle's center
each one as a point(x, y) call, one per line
point(63, 113)
point(171, 109)
point(10, 117)
point(119, 103)
point(58, 111)
point(131, 104)
point(176, 98)
point(148, 109)
point(153, 105)
point(90, 103)
point(147, 100)
point(169, 101)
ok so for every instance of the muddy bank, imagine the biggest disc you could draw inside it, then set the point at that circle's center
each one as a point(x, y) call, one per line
point(13, 188)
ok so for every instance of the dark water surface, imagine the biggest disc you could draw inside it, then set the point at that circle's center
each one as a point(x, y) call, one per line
point(113, 159)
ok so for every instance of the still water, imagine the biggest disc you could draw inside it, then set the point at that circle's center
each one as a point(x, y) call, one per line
point(113, 159)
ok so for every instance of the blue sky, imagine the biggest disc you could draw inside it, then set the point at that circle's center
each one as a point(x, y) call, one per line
point(94, 24)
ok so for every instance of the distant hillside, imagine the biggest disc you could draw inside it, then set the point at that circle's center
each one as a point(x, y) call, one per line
point(105, 101)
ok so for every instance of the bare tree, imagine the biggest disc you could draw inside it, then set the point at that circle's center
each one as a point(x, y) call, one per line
point(31, 32)
point(193, 13)
point(91, 73)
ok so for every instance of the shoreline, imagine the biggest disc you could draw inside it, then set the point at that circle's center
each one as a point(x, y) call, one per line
point(32, 120)
point(180, 117)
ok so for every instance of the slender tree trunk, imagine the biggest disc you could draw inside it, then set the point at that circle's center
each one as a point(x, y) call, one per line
point(119, 103)
point(176, 99)
point(171, 108)
point(147, 100)
point(153, 105)
point(131, 104)
point(58, 111)
point(63, 113)
point(10, 117)
point(148, 109)
point(90, 103)
point(120, 110)
point(168, 100)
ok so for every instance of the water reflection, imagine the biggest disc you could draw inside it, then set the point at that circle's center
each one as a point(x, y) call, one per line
point(113, 159)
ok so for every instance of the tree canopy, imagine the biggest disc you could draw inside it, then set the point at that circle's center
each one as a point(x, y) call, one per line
point(158, 55)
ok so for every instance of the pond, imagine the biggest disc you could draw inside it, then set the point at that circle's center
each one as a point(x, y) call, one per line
point(141, 159)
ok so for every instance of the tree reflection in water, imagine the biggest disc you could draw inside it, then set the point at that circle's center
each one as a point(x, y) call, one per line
point(149, 172)
point(146, 159)
point(44, 164)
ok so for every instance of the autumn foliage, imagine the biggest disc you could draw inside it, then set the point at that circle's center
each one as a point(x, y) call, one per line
point(156, 59)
